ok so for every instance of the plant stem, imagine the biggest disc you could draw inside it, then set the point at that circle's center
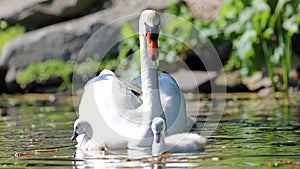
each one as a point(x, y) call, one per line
point(288, 55)
point(267, 54)
point(285, 61)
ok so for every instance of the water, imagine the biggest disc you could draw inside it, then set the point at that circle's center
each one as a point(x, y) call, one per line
point(254, 132)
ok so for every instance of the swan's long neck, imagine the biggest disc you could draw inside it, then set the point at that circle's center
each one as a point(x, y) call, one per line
point(151, 98)
point(158, 148)
point(85, 139)
point(151, 106)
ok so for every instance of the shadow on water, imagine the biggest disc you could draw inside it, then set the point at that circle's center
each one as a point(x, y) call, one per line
point(254, 132)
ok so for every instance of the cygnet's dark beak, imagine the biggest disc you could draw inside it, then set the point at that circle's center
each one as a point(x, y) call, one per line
point(157, 137)
point(74, 136)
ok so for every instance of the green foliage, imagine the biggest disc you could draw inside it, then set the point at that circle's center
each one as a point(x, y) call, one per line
point(92, 66)
point(130, 44)
point(129, 53)
point(9, 32)
point(261, 31)
point(179, 10)
point(174, 45)
point(181, 40)
point(42, 71)
point(87, 69)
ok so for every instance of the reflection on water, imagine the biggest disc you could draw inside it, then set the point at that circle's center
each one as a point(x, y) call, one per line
point(254, 131)
point(125, 159)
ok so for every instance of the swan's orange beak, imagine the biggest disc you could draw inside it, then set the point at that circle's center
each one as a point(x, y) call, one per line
point(152, 43)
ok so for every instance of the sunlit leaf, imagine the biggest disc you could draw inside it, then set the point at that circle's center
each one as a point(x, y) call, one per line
point(278, 52)
point(291, 24)
point(244, 44)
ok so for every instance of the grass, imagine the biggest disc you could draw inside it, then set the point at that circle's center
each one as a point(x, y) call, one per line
point(9, 32)
point(43, 71)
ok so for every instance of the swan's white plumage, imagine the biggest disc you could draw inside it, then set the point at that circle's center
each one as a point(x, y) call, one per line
point(119, 114)
point(112, 109)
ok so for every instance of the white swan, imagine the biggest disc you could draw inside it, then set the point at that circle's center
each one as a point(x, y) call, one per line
point(82, 134)
point(177, 143)
point(111, 106)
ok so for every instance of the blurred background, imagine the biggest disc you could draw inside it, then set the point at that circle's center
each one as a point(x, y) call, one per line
point(43, 46)
point(257, 42)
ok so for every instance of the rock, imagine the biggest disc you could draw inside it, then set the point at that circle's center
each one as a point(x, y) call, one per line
point(257, 81)
point(38, 13)
point(204, 9)
point(231, 80)
point(65, 40)
point(208, 59)
point(189, 81)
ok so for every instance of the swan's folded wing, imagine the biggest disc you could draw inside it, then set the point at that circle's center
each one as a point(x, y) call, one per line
point(133, 86)
point(170, 88)
point(104, 75)
point(173, 104)
point(111, 108)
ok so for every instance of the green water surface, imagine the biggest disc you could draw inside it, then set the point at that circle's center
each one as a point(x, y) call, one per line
point(254, 132)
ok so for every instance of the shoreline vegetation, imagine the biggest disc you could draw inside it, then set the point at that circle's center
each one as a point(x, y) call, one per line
point(260, 49)
point(36, 99)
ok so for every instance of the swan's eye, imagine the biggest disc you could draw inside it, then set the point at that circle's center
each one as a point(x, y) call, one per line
point(153, 36)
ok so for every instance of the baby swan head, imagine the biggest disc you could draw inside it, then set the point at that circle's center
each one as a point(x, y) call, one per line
point(80, 127)
point(158, 128)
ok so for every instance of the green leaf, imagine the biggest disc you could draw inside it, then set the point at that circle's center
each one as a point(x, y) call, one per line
point(278, 53)
point(127, 30)
point(244, 44)
point(291, 24)
point(267, 34)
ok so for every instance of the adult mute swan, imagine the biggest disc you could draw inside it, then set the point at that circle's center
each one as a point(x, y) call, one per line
point(117, 114)
point(177, 143)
